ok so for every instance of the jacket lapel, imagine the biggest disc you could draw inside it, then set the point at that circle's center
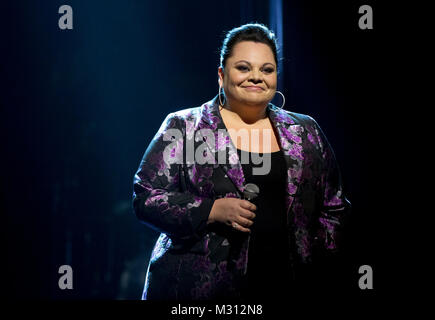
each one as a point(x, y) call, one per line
point(289, 134)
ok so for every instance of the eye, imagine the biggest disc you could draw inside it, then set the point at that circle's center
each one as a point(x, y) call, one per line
point(242, 68)
point(269, 70)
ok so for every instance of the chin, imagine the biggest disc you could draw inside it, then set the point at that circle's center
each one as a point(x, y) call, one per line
point(255, 101)
point(259, 98)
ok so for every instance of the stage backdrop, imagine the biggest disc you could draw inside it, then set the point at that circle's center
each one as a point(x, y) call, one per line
point(79, 107)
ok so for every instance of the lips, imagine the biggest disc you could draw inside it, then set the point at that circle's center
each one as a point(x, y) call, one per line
point(253, 88)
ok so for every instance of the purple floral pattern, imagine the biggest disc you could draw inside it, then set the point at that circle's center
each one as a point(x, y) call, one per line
point(193, 261)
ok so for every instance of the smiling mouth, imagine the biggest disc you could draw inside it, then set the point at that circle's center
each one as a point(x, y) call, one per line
point(253, 88)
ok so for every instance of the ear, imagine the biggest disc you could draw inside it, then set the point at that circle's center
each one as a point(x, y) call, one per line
point(221, 76)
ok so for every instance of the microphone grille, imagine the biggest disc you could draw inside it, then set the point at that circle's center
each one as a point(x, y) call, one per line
point(251, 191)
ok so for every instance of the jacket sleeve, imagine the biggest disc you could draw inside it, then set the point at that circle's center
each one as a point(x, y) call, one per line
point(334, 207)
point(158, 199)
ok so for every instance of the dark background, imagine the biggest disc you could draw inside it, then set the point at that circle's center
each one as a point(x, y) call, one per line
point(79, 107)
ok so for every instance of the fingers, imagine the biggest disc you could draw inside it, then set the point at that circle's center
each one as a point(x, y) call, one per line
point(241, 216)
point(238, 227)
point(247, 214)
point(245, 204)
point(244, 222)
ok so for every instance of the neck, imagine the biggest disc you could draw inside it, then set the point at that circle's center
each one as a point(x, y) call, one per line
point(247, 113)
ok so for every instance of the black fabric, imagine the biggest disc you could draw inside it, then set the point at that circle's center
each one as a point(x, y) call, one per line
point(268, 269)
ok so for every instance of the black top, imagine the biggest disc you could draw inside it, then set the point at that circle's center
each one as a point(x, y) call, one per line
point(268, 267)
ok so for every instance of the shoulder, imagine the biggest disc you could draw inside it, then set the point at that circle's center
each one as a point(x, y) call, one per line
point(307, 126)
point(302, 119)
point(187, 113)
point(175, 119)
point(295, 118)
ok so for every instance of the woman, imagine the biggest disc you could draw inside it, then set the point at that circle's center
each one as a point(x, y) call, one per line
point(192, 186)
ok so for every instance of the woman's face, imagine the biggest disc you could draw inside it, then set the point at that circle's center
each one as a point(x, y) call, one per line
point(250, 75)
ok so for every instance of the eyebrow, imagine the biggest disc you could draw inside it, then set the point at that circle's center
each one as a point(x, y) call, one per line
point(250, 63)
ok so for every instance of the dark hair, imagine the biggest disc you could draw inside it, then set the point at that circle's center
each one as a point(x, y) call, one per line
point(256, 32)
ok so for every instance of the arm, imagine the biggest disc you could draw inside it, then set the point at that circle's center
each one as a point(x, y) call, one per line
point(334, 205)
point(158, 198)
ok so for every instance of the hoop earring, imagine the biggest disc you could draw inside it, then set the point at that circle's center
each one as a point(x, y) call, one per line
point(283, 98)
point(219, 94)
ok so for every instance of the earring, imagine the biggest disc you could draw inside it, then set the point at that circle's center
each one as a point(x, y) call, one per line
point(283, 98)
point(219, 94)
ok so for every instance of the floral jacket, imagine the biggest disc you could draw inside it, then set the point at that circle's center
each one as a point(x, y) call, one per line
point(193, 260)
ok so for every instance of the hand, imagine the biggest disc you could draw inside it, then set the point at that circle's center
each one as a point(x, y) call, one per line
point(234, 212)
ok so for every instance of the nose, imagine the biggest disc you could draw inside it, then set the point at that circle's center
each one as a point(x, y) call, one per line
point(256, 76)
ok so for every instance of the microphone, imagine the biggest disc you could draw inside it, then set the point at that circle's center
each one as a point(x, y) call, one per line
point(251, 191)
